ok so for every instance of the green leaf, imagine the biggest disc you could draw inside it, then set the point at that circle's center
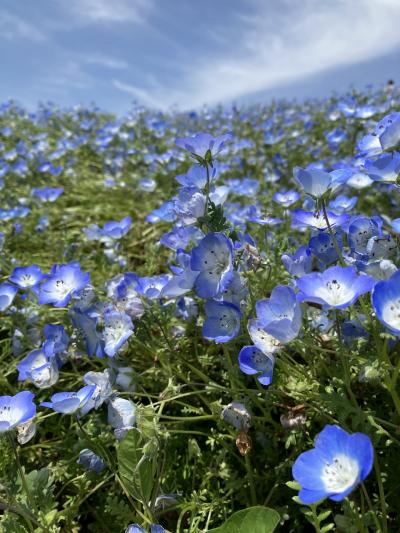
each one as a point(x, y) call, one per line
point(137, 470)
point(255, 520)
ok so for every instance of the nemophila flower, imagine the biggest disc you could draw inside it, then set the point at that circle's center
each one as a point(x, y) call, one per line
point(181, 237)
point(70, 402)
point(243, 187)
point(256, 215)
point(189, 205)
point(56, 339)
point(165, 212)
point(118, 327)
point(280, 315)
point(317, 220)
point(262, 340)
point(385, 136)
point(222, 321)
point(386, 302)
point(87, 327)
point(335, 466)
point(47, 194)
point(16, 410)
point(352, 330)
point(39, 367)
point(102, 382)
point(323, 247)
point(204, 143)
point(342, 204)
point(135, 528)
point(147, 185)
point(254, 361)
point(299, 263)
point(236, 292)
point(360, 230)
point(186, 308)
point(26, 277)
point(316, 182)
point(286, 198)
point(196, 176)
point(380, 269)
point(63, 282)
point(90, 461)
point(213, 259)
point(7, 295)
point(381, 247)
point(385, 168)
point(121, 416)
point(184, 279)
point(336, 287)
point(115, 229)
point(151, 287)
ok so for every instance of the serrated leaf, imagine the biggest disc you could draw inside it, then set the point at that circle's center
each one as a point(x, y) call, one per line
point(255, 520)
point(136, 469)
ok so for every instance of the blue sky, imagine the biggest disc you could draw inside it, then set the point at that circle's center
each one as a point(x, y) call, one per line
point(186, 53)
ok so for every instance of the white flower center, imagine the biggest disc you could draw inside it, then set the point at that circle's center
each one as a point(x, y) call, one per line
point(391, 313)
point(335, 293)
point(341, 474)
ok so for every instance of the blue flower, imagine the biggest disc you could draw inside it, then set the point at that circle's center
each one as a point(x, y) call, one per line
point(87, 326)
point(118, 327)
point(213, 258)
point(184, 279)
point(385, 168)
point(222, 322)
point(322, 246)
point(26, 277)
point(254, 361)
point(7, 295)
point(40, 367)
point(342, 204)
point(335, 466)
point(317, 220)
point(280, 315)
point(102, 391)
point(386, 302)
point(121, 416)
point(70, 402)
point(316, 182)
point(196, 176)
point(202, 143)
point(116, 230)
point(286, 198)
point(135, 528)
point(360, 230)
point(16, 410)
point(47, 194)
point(386, 135)
point(63, 282)
point(299, 263)
point(336, 287)
point(90, 461)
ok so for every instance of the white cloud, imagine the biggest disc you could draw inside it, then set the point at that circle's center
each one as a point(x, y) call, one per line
point(271, 48)
point(105, 61)
point(106, 11)
point(13, 27)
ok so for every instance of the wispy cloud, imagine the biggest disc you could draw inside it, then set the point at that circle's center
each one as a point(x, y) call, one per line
point(104, 61)
point(108, 11)
point(270, 48)
point(13, 27)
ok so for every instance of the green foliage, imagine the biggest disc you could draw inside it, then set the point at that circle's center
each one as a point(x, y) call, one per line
point(255, 519)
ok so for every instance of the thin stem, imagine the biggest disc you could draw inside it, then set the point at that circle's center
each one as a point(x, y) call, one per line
point(332, 235)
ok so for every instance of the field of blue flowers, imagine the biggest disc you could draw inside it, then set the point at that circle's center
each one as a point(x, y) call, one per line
point(200, 315)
